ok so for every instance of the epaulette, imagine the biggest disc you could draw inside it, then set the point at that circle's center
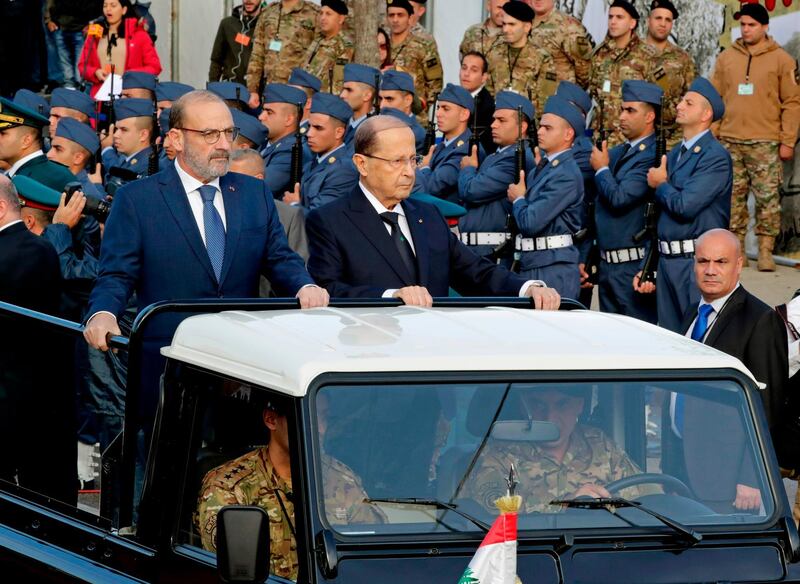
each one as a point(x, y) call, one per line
point(229, 475)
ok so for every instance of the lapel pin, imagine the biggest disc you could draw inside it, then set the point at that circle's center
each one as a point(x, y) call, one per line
point(555, 163)
point(460, 143)
point(419, 220)
point(134, 161)
point(232, 188)
point(331, 160)
point(642, 147)
point(696, 149)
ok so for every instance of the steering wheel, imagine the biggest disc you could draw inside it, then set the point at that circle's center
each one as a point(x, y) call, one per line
point(670, 482)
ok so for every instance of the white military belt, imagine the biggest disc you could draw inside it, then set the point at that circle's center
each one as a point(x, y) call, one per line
point(679, 247)
point(542, 243)
point(624, 255)
point(484, 238)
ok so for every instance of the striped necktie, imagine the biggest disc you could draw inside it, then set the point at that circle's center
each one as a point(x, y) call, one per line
point(214, 230)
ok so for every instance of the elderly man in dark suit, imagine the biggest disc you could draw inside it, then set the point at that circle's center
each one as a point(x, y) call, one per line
point(734, 321)
point(378, 243)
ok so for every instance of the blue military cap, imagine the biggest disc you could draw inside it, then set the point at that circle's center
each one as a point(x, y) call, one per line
point(448, 209)
point(331, 105)
point(575, 94)
point(459, 96)
point(171, 90)
point(280, 93)
point(703, 86)
point(138, 80)
point(558, 106)
point(359, 73)
point(229, 90)
point(163, 120)
point(250, 127)
point(511, 100)
point(133, 107)
point(74, 100)
point(13, 115)
point(302, 78)
point(635, 90)
point(32, 101)
point(80, 133)
point(397, 81)
point(34, 194)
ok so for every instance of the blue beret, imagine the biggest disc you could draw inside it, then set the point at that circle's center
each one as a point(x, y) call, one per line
point(250, 127)
point(397, 81)
point(519, 10)
point(133, 107)
point(459, 96)
point(79, 133)
point(331, 105)
point(574, 93)
point(361, 74)
point(74, 100)
point(163, 120)
point(138, 80)
point(32, 101)
point(302, 78)
point(34, 194)
point(227, 90)
point(13, 115)
point(703, 86)
point(280, 93)
point(172, 90)
point(635, 90)
point(511, 100)
point(558, 106)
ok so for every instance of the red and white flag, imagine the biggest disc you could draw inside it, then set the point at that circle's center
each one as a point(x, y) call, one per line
point(495, 562)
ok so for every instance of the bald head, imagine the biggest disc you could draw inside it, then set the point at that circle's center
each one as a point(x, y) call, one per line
point(9, 201)
point(247, 161)
point(717, 263)
point(366, 138)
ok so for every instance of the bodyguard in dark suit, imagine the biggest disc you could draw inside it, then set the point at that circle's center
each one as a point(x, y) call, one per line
point(192, 231)
point(734, 321)
point(548, 207)
point(473, 76)
point(622, 193)
point(693, 190)
point(378, 243)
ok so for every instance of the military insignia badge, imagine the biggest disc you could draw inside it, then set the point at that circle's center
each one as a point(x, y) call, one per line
point(303, 130)
point(134, 161)
point(460, 143)
point(642, 147)
point(331, 160)
point(555, 162)
point(696, 149)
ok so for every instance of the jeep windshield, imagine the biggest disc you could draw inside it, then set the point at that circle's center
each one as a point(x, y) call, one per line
point(393, 458)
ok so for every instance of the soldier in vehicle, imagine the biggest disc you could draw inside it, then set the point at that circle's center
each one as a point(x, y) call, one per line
point(263, 477)
point(579, 463)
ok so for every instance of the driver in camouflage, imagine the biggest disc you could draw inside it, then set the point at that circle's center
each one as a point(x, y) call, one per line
point(579, 463)
point(262, 478)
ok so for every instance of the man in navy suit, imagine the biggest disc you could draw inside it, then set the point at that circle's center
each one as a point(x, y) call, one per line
point(693, 189)
point(378, 243)
point(192, 231)
point(622, 194)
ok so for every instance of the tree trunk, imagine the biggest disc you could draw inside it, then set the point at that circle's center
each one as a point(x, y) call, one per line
point(366, 16)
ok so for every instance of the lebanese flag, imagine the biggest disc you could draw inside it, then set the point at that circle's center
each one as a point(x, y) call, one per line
point(495, 562)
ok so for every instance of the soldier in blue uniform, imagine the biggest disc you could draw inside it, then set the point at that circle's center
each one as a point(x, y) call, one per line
point(438, 174)
point(132, 136)
point(21, 146)
point(693, 189)
point(75, 145)
point(397, 98)
point(234, 94)
point(139, 84)
point(33, 101)
point(331, 174)
point(68, 103)
point(281, 119)
point(548, 207)
point(252, 133)
point(310, 85)
point(483, 189)
point(168, 92)
point(361, 83)
point(622, 193)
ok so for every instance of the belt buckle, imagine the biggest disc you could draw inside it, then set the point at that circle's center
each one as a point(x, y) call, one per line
point(674, 247)
point(624, 256)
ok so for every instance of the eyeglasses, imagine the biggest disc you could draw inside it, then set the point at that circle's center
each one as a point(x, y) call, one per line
point(212, 136)
point(396, 163)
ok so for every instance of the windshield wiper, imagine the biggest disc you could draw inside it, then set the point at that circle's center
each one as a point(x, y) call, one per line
point(431, 503)
point(687, 534)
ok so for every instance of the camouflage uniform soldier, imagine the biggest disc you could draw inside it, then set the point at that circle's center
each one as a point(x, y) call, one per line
point(331, 50)
point(516, 64)
point(622, 56)
point(481, 37)
point(758, 82)
point(283, 34)
point(414, 54)
point(565, 38)
point(674, 70)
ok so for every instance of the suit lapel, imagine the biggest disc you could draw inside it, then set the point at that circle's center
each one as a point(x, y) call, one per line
point(725, 317)
point(178, 204)
point(233, 222)
point(367, 221)
point(420, 239)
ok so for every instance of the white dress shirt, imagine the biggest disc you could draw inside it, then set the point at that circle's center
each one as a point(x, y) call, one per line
point(18, 164)
point(793, 316)
point(191, 186)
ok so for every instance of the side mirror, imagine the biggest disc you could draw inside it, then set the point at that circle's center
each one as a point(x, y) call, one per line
point(525, 431)
point(242, 545)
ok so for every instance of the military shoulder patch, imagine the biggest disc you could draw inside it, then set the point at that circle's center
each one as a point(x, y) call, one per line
point(659, 73)
point(551, 76)
point(432, 62)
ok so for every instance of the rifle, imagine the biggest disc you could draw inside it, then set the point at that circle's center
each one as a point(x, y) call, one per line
point(330, 80)
point(650, 229)
point(296, 170)
point(533, 131)
point(376, 98)
point(474, 138)
point(519, 149)
point(430, 134)
point(602, 134)
point(152, 163)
